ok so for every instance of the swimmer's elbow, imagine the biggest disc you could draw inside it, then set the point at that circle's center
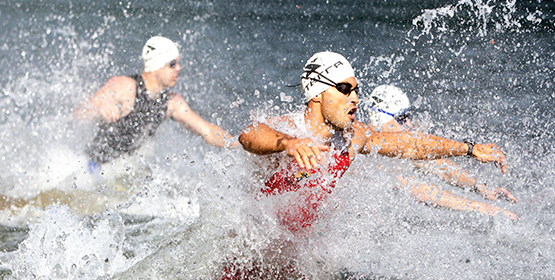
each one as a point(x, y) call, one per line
point(246, 135)
point(244, 141)
point(250, 144)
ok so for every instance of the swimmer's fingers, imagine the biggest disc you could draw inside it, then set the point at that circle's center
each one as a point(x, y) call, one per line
point(490, 153)
point(317, 149)
point(503, 193)
point(104, 113)
point(299, 148)
point(309, 155)
point(314, 153)
point(510, 215)
point(503, 165)
point(299, 159)
point(110, 113)
point(116, 113)
point(312, 162)
point(495, 210)
point(306, 152)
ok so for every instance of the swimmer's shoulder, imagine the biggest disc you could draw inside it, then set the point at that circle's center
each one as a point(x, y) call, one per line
point(124, 82)
point(119, 87)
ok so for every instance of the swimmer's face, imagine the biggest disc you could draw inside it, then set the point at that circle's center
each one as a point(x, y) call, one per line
point(168, 74)
point(338, 108)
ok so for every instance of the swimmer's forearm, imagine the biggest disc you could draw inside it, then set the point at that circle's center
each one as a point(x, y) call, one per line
point(432, 195)
point(416, 146)
point(86, 112)
point(262, 140)
point(219, 138)
point(214, 135)
point(449, 172)
point(457, 175)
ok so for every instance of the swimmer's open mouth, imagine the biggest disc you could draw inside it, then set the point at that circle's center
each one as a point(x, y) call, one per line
point(352, 111)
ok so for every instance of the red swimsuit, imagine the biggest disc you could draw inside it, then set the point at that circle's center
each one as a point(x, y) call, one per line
point(312, 187)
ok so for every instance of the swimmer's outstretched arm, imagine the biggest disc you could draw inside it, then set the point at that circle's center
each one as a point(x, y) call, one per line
point(112, 101)
point(421, 146)
point(214, 135)
point(432, 195)
point(261, 139)
point(450, 172)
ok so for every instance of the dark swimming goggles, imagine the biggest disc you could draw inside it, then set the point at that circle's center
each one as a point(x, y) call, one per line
point(344, 88)
point(172, 63)
point(401, 117)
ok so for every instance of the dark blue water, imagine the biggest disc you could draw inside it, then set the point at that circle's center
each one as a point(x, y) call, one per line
point(479, 69)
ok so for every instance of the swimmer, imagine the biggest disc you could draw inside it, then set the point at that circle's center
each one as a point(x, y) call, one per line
point(390, 112)
point(325, 138)
point(128, 109)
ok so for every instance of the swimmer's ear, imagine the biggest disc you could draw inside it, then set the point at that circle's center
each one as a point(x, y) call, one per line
point(317, 98)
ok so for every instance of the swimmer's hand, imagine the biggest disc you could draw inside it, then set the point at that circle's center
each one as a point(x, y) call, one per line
point(102, 110)
point(510, 215)
point(488, 153)
point(231, 144)
point(305, 151)
point(110, 112)
point(496, 193)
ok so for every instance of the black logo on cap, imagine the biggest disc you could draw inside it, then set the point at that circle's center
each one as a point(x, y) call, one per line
point(376, 100)
point(312, 67)
point(151, 48)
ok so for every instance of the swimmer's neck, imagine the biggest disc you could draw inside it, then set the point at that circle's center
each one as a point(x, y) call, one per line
point(153, 86)
point(317, 125)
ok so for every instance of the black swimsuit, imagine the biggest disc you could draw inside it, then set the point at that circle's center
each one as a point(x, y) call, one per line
point(128, 133)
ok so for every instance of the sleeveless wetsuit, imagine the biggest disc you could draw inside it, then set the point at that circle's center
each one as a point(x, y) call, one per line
point(311, 186)
point(128, 133)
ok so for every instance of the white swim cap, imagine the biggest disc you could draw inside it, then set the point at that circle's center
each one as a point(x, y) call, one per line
point(388, 98)
point(157, 52)
point(322, 71)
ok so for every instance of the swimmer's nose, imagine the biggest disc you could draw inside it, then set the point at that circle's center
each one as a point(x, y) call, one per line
point(354, 97)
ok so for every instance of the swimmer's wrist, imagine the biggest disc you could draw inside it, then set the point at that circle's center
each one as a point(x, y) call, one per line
point(285, 142)
point(481, 189)
point(470, 147)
